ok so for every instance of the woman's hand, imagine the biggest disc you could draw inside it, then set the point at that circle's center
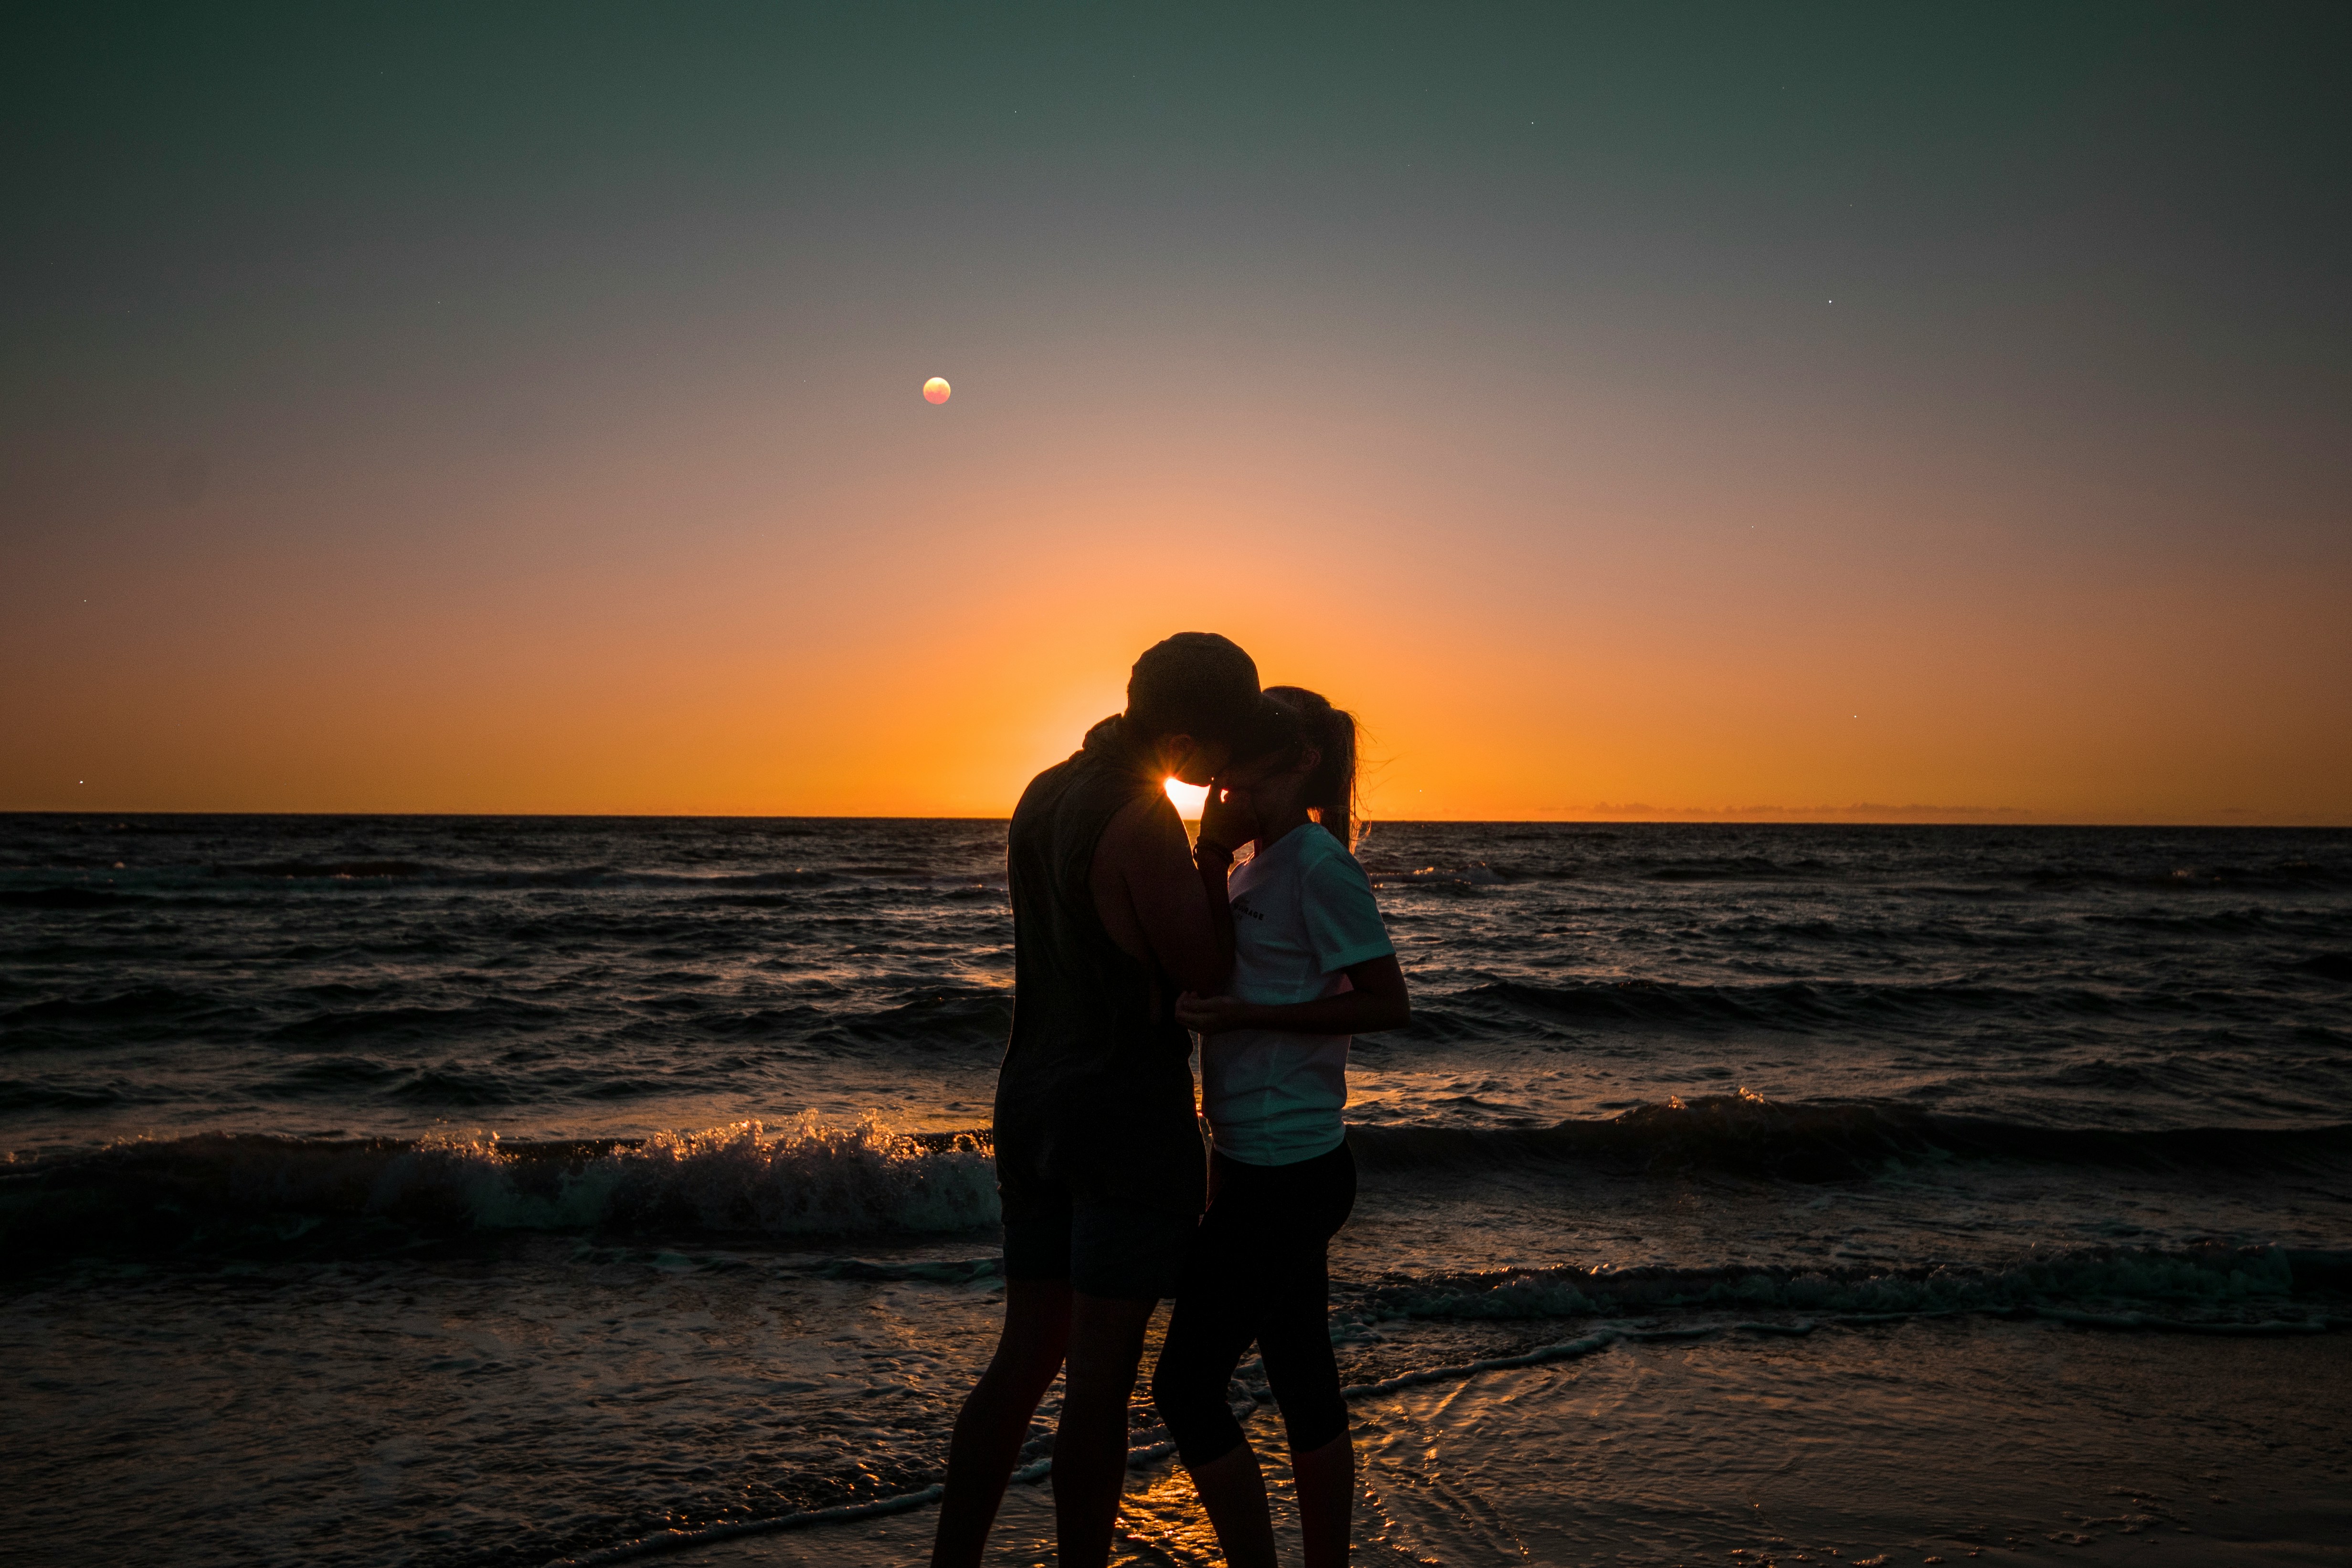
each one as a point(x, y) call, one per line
point(1226, 819)
point(1212, 1014)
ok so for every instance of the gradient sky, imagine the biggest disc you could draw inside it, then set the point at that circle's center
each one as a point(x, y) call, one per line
point(1799, 411)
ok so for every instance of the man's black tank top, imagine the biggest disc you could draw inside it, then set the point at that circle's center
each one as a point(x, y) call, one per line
point(1096, 1091)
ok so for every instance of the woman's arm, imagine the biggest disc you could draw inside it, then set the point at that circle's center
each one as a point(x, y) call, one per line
point(1377, 1002)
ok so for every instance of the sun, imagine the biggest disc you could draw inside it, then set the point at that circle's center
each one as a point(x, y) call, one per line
point(1188, 798)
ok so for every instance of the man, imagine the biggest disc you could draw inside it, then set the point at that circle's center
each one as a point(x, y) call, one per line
point(1099, 1154)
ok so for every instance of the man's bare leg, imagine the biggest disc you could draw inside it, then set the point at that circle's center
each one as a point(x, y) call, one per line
point(996, 1414)
point(1233, 1490)
point(1327, 1500)
point(1105, 1342)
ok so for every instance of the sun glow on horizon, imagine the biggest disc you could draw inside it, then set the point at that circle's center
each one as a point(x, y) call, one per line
point(1188, 798)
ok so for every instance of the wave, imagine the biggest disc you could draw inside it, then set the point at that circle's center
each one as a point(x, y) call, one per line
point(16, 1094)
point(210, 884)
point(430, 874)
point(810, 1180)
point(2199, 1286)
point(2279, 875)
point(138, 1012)
point(140, 1003)
point(1780, 1005)
point(70, 897)
point(1511, 1006)
point(1497, 873)
point(1828, 1141)
point(944, 1017)
point(1740, 869)
point(794, 878)
point(495, 1016)
point(341, 870)
point(1952, 861)
point(226, 1190)
point(587, 876)
point(340, 1016)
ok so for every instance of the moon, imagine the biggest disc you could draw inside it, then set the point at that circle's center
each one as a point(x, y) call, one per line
point(935, 390)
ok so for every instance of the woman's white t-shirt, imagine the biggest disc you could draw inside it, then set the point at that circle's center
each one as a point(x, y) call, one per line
point(1303, 912)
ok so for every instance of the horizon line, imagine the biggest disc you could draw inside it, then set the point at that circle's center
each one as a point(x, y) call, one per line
point(1861, 816)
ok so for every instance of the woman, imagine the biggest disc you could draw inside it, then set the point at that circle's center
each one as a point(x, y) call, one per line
point(1312, 966)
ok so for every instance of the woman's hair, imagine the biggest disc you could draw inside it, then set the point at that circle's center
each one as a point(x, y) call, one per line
point(1311, 721)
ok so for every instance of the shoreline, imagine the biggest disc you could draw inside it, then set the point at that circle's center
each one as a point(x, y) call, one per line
point(1858, 1445)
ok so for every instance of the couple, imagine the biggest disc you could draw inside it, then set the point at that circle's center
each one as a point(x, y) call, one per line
point(1125, 938)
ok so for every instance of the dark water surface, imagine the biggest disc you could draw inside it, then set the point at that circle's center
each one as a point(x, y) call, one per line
point(443, 1190)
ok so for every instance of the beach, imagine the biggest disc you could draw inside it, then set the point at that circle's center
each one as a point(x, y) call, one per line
point(1895, 1444)
point(517, 1190)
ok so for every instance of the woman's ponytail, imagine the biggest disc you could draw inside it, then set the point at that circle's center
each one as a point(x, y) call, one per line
point(1331, 789)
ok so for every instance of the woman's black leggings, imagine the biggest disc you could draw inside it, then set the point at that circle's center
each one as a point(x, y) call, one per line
point(1258, 1273)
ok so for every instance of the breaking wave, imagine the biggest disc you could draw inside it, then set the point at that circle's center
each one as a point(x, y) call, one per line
point(812, 1180)
point(203, 1192)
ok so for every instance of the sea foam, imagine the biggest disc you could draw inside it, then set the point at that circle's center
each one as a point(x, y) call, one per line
point(808, 1178)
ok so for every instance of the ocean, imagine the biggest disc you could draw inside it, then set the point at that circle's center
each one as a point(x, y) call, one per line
point(500, 1191)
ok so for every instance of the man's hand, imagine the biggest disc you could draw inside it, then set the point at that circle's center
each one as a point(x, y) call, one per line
point(1375, 999)
point(1213, 1015)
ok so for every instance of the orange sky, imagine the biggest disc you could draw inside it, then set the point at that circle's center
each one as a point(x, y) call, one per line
point(1961, 444)
point(674, 625)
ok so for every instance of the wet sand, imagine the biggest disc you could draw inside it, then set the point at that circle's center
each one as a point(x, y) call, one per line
point(1947, 1440)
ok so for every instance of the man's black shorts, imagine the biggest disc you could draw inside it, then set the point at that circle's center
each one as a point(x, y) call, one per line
point(1126, 1251)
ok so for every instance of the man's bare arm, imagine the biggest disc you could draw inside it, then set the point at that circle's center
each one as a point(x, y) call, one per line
point(1157, 903)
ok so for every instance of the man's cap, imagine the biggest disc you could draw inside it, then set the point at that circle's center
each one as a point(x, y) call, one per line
point(1198, 684)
